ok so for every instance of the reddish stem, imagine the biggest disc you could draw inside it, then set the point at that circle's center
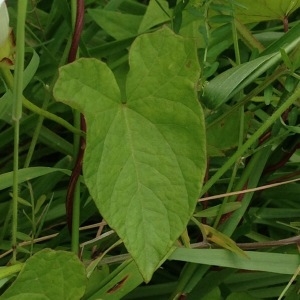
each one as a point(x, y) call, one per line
point(77, 31)
point(285, 24)
point(75, 175)
point(78, 165)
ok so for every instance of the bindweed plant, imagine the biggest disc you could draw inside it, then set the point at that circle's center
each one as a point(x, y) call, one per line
point(149, 149)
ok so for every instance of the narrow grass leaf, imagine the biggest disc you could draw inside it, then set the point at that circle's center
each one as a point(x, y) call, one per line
point(6, 107)
point(218, 90)
point(289, 37)
point(28, 174)
point(23, 236)
point(257, 261)
point(31, 67)
point(119, 283)
point(229, 83)
point(213, 211)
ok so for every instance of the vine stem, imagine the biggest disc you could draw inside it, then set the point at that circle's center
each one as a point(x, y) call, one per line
point(16, 116)
point(73, 193)
point(252, 140)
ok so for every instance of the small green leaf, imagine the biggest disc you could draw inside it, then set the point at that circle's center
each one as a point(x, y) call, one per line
point(229, 127)
point(145, 156)
point(49, 275)
point(23, 236)
point(294, 129)
point(268, 93)
point(157, 13)
point(119, 25)
point(290, 83)
point(213, 211)
point(39, 203)
point(214, 151)
point(23, 201)
point(293, 116)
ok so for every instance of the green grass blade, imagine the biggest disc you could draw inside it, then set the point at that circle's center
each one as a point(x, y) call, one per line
point(258, 261)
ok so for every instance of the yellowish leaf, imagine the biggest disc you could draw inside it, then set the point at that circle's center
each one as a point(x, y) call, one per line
point(222, 240)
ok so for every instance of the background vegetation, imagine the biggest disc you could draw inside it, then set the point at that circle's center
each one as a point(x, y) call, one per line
point(219, 80)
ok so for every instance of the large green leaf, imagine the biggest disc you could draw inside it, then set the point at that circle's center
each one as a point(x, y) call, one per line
point(265, 10)
point(145, 157)
point(49, 275)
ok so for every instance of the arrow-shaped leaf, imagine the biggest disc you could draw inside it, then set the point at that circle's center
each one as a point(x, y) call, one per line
point(145, 156)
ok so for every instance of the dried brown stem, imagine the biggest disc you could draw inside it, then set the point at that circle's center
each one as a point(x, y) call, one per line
point(256, 245)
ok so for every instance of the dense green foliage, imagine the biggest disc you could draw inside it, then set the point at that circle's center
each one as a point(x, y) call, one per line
point(185, 118)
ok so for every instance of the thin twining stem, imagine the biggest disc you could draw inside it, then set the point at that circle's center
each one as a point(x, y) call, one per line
point(264, 187)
